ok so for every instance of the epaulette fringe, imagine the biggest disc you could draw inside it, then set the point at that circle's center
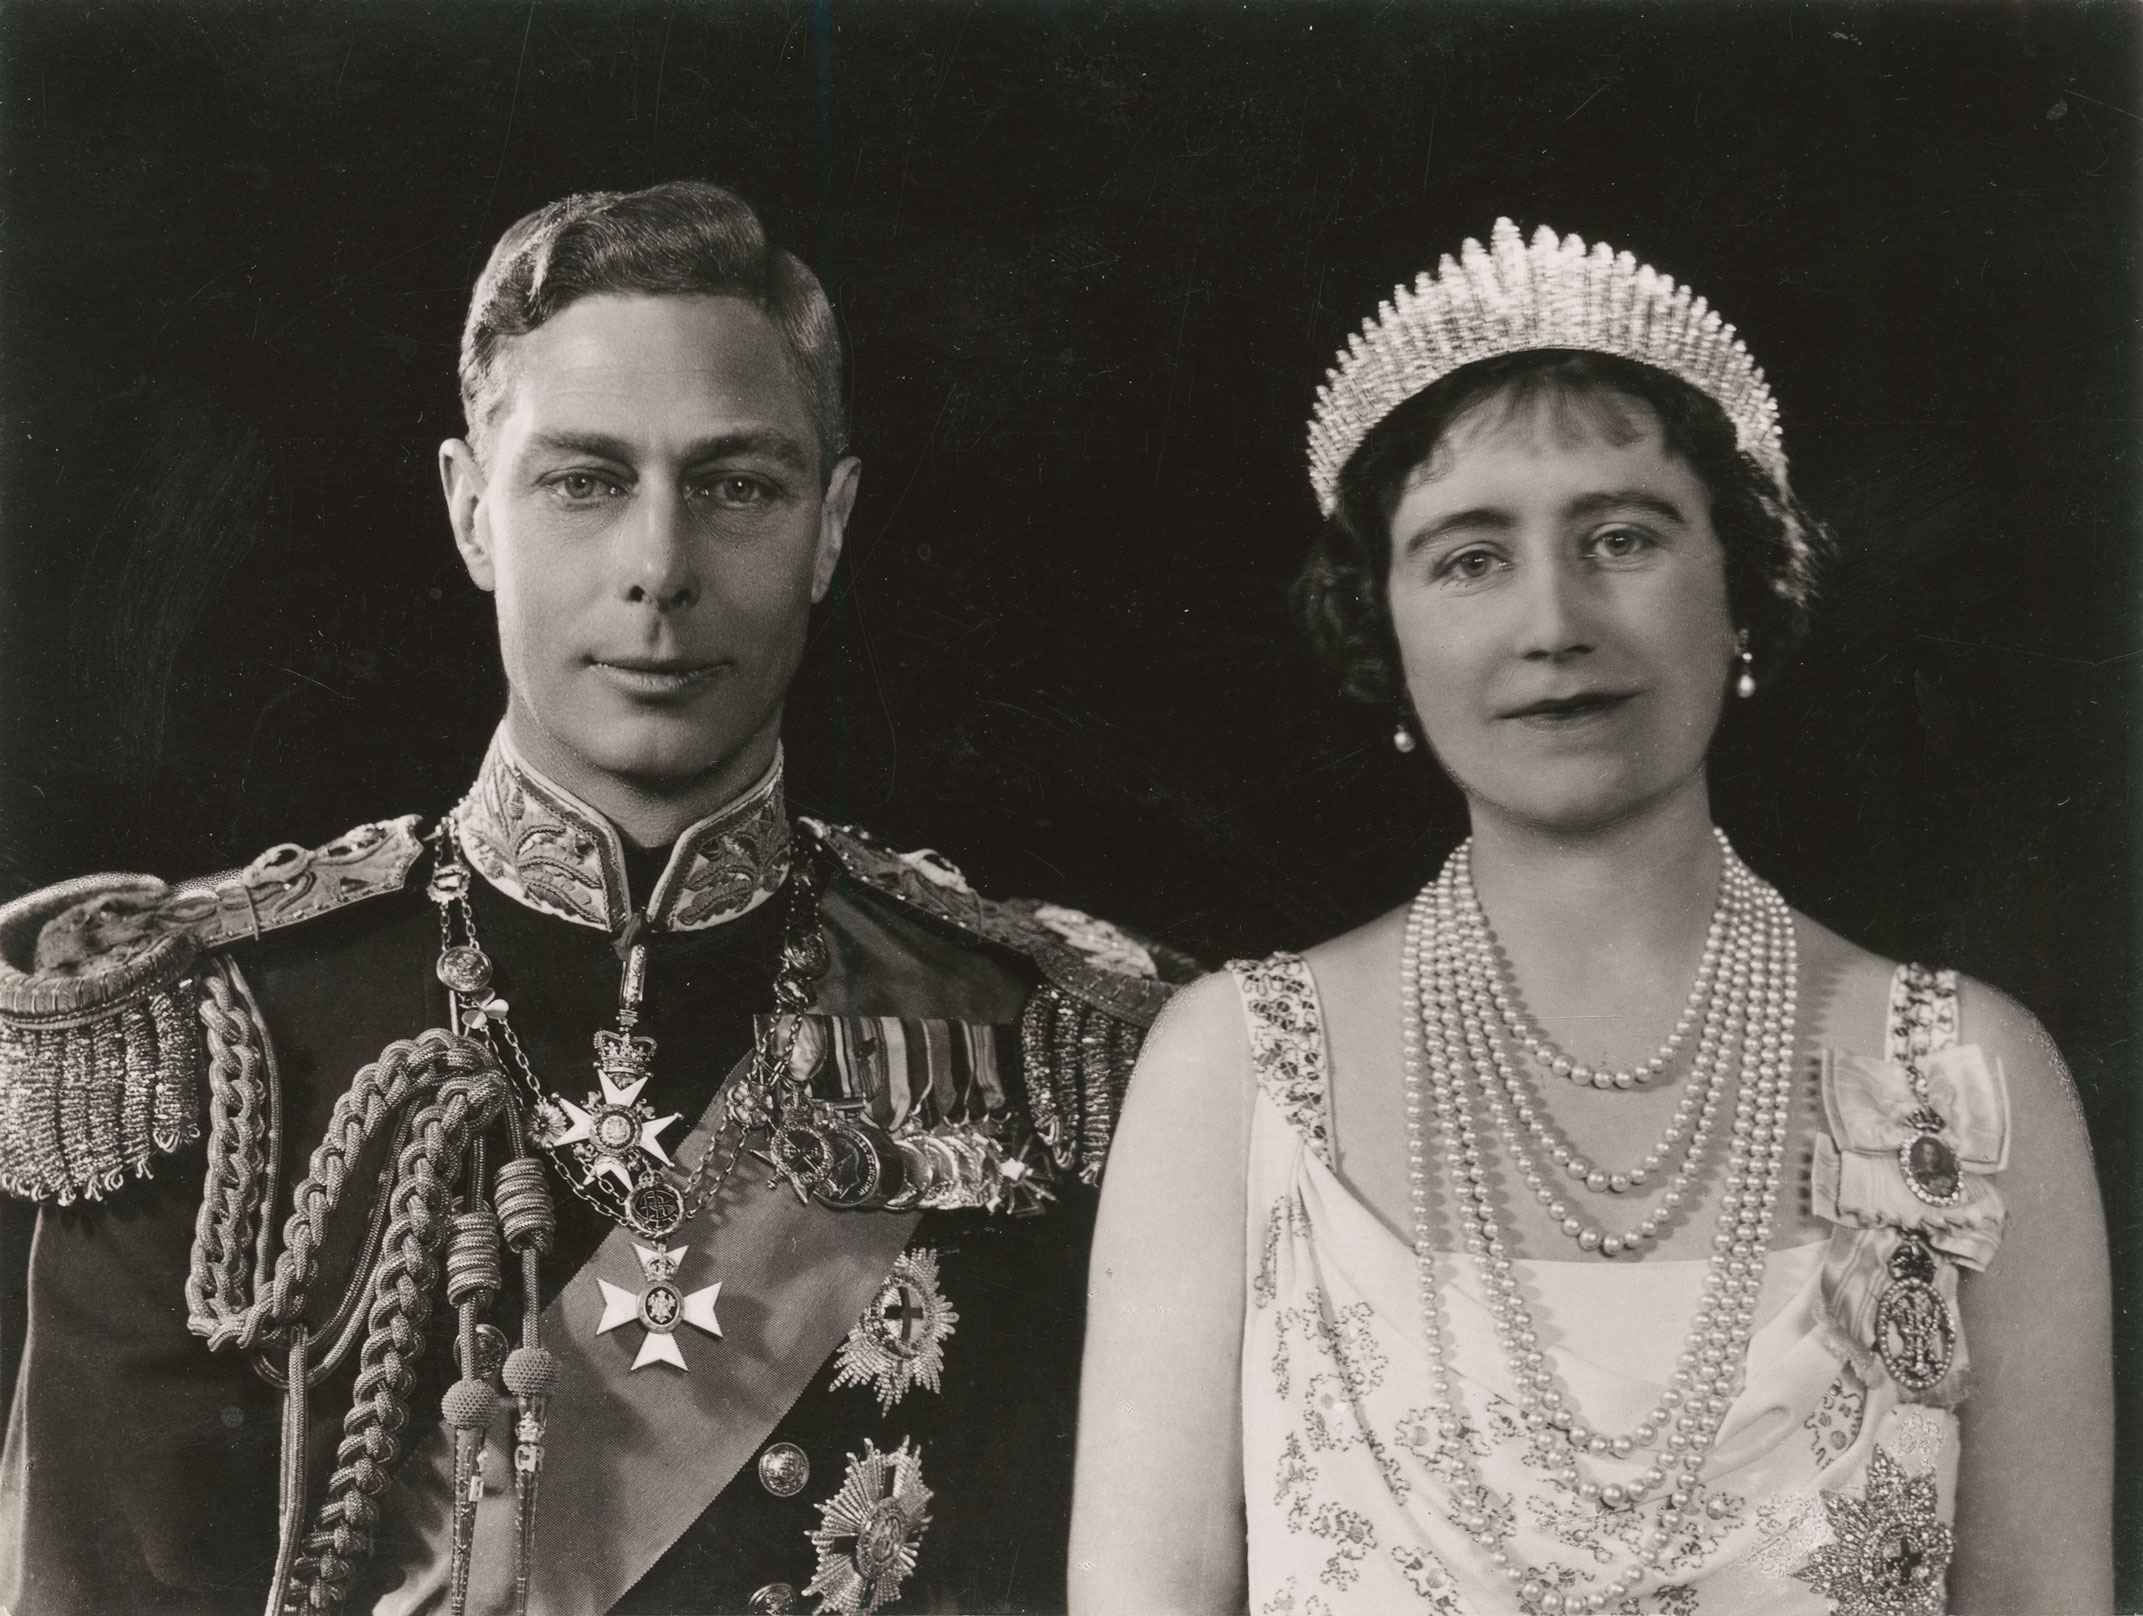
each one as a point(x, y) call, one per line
point(101, 1044)
point(100, 1071)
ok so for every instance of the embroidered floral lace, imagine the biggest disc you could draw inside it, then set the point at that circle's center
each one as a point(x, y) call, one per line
point(1831, 1486)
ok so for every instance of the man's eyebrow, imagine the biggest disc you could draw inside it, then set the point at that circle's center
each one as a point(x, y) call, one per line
point(771, 443)
point(1625, 499)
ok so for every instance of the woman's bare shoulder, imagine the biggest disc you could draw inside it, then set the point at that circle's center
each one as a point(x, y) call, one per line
point(1845, 989)
point(1367, 948)
point(1196, 1058)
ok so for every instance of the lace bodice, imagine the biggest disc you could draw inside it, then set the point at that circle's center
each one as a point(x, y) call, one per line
point(1831, 1484)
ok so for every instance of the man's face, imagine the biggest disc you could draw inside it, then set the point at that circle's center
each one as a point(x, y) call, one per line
point(653, 519)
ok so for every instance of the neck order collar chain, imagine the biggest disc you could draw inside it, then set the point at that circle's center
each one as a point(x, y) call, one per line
point(545, 848)
point(610, 1149)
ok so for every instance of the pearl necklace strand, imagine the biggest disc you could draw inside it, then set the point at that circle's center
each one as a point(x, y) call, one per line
point(1445, 1030)
point(1694, 1116)
point(1544, 1049)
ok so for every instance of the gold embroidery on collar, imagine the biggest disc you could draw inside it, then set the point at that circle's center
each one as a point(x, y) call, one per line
point(544, 847)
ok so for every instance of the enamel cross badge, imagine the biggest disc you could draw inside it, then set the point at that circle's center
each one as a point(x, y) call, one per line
point(659, 1306)
point(615, 1129)
point(900, 1340)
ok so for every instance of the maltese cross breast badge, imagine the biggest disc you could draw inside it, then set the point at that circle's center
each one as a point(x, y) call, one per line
point(900, 1340)
point(659, 1306)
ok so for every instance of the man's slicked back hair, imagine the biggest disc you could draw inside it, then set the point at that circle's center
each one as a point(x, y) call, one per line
point(681, 237)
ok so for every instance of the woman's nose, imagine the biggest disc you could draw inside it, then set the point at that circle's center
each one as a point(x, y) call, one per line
point(1553, 622)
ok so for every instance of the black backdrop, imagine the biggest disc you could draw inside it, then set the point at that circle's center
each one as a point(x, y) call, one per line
point(1090, 260)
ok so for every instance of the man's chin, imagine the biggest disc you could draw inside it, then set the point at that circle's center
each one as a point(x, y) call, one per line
point(659, 751)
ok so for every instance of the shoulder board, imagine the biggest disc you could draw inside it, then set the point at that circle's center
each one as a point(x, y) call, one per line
point(1087, 958)
point(1082, 1029)
point(100, 1037)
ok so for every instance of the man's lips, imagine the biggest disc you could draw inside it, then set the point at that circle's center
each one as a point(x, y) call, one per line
point(1560, 709)
point(656, 676)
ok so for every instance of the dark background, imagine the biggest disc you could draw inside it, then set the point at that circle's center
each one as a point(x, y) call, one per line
point(1090, 261)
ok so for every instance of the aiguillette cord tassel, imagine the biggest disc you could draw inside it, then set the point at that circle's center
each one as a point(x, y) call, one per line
point(528, 1221)
point(472, 1280)
point(290, 1513)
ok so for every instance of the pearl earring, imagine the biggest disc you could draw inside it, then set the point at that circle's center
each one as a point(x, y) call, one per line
point(1745, 686)
point(1402, 739)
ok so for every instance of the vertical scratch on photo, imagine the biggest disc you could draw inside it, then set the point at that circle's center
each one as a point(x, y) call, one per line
point(512, 106)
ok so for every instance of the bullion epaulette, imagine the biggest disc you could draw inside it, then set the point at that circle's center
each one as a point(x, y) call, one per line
point(101, 1050)
point(1082, 1029)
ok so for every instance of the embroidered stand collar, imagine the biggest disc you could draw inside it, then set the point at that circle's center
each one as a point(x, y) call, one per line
point(543, 847)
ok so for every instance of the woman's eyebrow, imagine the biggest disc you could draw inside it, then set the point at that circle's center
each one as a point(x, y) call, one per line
point(1479, 518)
point(1624, 499)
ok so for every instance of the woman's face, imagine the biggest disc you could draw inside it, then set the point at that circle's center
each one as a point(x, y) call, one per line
point(1560, 604)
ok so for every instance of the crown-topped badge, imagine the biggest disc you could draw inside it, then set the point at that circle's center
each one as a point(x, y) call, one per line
point(615, 1128)
point(1511, 296)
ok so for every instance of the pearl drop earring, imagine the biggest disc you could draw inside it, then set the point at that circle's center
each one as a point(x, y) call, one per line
point(1745, 686)
point(1402, 739)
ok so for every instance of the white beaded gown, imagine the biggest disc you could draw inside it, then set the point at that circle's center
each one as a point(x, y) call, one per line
point(1830, 1487)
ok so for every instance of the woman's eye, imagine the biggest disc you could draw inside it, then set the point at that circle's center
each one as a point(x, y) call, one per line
point(1468, 566)
point(1620, 543)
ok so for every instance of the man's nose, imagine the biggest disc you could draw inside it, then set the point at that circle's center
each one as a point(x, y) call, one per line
point(659, 567)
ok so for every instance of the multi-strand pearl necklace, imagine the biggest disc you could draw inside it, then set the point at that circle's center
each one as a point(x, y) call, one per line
point(1544, 1049)
point(1448, 1034)
point(1695, 1115)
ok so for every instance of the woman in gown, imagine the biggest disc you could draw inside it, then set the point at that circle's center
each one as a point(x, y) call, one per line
point(1595, 1232)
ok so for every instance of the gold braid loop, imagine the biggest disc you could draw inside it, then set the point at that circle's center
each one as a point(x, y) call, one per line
point(468, 1101)
point(227, 1266)
point(405, 1069)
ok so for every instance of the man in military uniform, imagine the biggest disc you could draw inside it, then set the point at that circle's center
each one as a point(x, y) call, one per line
point(616, 1195)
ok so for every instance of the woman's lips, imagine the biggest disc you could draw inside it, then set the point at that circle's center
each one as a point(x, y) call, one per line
point(1563, 712)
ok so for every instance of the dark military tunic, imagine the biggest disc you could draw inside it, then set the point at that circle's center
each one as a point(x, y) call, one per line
point(141, 1469)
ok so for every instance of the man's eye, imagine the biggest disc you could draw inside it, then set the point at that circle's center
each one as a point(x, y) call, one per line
point(736, 491)
point(583, 486)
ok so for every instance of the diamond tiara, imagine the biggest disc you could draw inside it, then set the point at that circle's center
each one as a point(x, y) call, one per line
point(1511, 296)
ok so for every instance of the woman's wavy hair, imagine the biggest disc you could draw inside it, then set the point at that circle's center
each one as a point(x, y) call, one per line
point(1772, 545)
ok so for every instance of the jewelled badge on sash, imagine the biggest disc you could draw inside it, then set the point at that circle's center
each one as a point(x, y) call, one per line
point(900, 1340)
point(869, 1531)
point(659, 1306)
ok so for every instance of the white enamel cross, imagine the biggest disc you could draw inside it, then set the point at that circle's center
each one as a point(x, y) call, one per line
point(617, 1126)
point(659, 1306)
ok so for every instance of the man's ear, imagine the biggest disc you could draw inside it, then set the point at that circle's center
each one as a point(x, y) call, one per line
point(463, 481)
point(834, 512)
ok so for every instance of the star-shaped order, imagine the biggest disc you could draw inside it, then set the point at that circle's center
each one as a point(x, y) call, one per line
point(659, 1306)
point(1891, 1551)
point(615, 1126)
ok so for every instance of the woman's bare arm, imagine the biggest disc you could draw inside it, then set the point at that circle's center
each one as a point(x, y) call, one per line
point(2035, 1492)
point(1157, 1512)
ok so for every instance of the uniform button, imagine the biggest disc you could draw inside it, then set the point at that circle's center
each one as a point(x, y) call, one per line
point(775, 1599)
point(784, 1469)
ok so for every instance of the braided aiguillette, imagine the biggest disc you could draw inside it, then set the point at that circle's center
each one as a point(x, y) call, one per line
point(473, 1278)
point(523, 1198)
point(402, 1280)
